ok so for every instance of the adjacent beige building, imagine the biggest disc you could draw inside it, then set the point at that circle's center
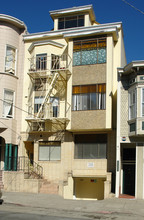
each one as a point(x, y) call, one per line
point(68, 134)
point(11, 84)
point(130, 130)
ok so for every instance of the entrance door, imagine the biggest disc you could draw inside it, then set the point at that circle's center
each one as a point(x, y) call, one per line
point(129, 179)
point(129, 171)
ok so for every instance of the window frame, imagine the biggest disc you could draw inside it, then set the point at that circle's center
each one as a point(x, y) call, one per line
point(12, 104)
point(50, 145)
point(38, 104)
point(83, 145)
point(132, 92)
point(142, 101)
point(65, 20)
point(89, 45)
point(15, 59)
point(92, 89)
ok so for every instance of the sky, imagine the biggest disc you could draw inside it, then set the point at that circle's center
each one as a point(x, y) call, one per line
point(35, 14)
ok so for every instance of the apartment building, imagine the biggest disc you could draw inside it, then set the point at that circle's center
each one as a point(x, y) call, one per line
point(68, 134)
point(11, 84)
point(130, 130)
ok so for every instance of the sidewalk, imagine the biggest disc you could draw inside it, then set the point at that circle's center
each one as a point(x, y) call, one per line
point(114, 205)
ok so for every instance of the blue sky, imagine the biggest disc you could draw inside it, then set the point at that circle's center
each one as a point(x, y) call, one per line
point(35, 14)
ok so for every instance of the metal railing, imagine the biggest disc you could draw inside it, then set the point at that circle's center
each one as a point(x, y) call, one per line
point(49, 63)
point(29, 166)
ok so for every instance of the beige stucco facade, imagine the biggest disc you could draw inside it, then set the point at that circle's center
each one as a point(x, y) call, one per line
point(56, 136)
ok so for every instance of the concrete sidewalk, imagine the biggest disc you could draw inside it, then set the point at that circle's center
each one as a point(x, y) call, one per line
point(55, 202)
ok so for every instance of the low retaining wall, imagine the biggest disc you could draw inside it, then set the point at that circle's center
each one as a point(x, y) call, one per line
point(16, 182)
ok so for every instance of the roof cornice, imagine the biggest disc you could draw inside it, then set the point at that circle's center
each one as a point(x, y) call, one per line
point(131, 66)
point(12, 20)
point(74, 10)
point(80, 31)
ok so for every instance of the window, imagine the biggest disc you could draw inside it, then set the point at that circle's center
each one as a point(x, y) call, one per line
point(54, 106)
point(10, 60)
point(89, 97)
point(142, 102)
point(49, 151)
point(41, 61)
point(90, 150)
point(55, 62)
point(132, 104)
point(142, 125)
point(8, 103)
point(70, 22)
point(90, 51)
point(39, 84)
point(132, 127)
point(37, 103)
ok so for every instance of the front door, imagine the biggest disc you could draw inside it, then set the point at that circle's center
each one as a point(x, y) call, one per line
point(129, 171)
point(129, 179)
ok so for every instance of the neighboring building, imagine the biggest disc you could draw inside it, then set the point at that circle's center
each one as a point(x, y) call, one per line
point(11, 84)
point(130, 130)
point(69, 94)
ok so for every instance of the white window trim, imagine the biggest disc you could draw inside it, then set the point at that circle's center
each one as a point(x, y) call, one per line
point(129, 92)
point(142, 101)
point(5, 116)
point(8, 45)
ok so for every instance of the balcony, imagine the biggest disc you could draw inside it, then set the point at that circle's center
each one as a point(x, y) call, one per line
point(44, 66)
point(51, 118)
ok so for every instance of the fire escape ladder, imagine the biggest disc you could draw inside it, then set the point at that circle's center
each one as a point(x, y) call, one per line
point(51, 86)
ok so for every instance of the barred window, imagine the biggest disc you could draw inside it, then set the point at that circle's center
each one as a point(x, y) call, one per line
point(89, 97)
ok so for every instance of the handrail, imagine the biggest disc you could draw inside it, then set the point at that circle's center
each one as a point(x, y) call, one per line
point(29, 166)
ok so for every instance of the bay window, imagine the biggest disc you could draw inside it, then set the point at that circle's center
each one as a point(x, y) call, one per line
point(89, 97)
point(8, 103)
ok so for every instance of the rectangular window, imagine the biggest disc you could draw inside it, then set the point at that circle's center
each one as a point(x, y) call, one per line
point(90, 51)
point(8, 103)
point(10, 60)
point(49, 151)
point(41, 61)
point(142, 125)
point(132, 127)
point(132, 104)
point(54, 101)
point(70, 22)
point(55, 62)
point(89, 97)
point(40, 84)
point(37, 103)
point(90, 151)
point(142, 102)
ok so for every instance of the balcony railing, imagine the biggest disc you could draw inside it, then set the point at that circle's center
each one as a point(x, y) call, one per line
point(44, 63)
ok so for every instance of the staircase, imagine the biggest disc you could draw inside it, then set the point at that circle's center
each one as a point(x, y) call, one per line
point(48, 187)
point(1, 182)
